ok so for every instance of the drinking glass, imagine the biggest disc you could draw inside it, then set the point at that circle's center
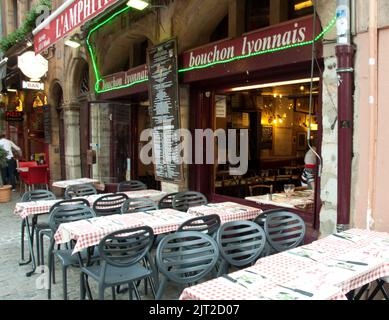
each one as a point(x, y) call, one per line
point(289, 189)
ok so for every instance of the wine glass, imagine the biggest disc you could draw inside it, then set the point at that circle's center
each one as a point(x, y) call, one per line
point(289, 189)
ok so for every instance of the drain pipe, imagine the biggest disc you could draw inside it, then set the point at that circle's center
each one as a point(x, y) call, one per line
point(373, 103)
point(345, 71)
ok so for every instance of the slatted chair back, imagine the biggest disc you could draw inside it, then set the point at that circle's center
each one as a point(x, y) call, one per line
point(37, 195)
point(74, 202)
point(186, 257)
point(132, 185)
point(109, 204)
point(241, 242)
point(208, 224)
point(126, 247)
point(138, 205)
point(182, 201)
point(69, 213)
point(166, 202)
point(80, 190)
point(284, 230)
point(256, 189)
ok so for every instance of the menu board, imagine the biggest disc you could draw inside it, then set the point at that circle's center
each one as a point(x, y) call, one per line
point(165, 111)
point(47, 124)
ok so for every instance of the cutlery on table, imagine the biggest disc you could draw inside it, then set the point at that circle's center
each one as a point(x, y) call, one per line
point(342, 237)
point(249, 271)
point(302, 255)
point(358, 263)
point(304, 293)
point(233, 280)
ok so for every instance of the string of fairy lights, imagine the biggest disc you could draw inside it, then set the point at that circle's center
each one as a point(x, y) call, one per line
point(99, 79)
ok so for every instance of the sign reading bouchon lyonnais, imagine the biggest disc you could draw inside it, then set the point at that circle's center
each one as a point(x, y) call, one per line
point(132, 76)
point(275, 37)
point(33, 85)
point(65, 19)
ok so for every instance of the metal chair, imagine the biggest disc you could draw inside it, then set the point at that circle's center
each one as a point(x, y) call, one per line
point(109, 204)
point(123, 254)
point(79, 190)
point(166, 202)
point(28, 196)
point(208, 224)
point(133, 185)
point(47, 232)
point(284, 230)
point(182, 201)
point(65, 214)
point(138, 205)
point(185, 258)
point(240, 244)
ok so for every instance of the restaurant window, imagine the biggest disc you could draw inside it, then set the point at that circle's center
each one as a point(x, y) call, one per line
point(276, 119)
point(257, 14)
point(300, 8)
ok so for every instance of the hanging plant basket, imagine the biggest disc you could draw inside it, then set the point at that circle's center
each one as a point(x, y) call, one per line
point(5, 193)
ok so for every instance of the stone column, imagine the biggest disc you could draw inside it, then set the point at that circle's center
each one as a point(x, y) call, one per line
point(278, 11)
point(236, 18)
point(72, 139)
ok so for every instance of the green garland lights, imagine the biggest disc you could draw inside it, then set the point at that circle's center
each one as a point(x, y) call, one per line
point(99, 79)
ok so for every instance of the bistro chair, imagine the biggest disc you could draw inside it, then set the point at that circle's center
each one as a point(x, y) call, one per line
point(79, 190)
point(48, 232)
point(36, 175)
point(133, 185)
point(284, 230)
point(208, 224)
point(260, 187)
point(166, 202)
point(185, 258)
point(22, 174)
point(138, 205)
point(109, 204)
point(65, 214)
point(182, 201)
point(122, 261)
point(35, 195)
point(240, 244)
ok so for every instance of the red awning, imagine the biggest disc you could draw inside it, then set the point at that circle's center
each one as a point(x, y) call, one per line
point(66, 18)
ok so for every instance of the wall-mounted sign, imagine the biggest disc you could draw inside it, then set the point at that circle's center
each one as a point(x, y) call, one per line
point(119, 79)
point(165, 111)
point(33, 85)
point(220, 106)
point(14, 116)
point(33, 66)
point(64, 20)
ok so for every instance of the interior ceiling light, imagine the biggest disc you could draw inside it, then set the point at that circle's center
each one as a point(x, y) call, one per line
point(273, 84)
point(303, 5)
point(138, 4)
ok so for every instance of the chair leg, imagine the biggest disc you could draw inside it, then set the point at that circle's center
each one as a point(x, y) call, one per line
point(161, 289)
point(65, 283)
point(50, 258)
point(113, 293)
point(136, 292)
point(38, 252)
point(82, 286)
point(42, 259)
point(23, 226)
point(101, 292)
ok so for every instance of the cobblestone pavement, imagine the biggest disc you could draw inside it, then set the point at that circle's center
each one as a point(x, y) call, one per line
point(14, 285)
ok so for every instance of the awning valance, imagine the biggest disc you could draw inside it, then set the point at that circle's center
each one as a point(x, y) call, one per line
point(65, 19)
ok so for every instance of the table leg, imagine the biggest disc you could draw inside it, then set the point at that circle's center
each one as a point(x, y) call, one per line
point(30, 238)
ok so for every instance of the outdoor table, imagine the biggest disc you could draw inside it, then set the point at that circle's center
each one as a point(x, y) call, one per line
point(328, 268)
point(66, 183)
point(228, 211)
point(33, 208)
point(303, 199)
point(87, 233)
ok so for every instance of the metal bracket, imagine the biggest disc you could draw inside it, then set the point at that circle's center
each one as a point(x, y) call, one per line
point(340, 70)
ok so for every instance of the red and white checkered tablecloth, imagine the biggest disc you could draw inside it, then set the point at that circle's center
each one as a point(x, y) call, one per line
point(25, 209)
point(66, 183)
point(228, 211)
point(328, 272)
point(88, 233)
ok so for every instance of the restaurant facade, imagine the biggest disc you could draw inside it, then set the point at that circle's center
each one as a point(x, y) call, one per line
point(243, 65)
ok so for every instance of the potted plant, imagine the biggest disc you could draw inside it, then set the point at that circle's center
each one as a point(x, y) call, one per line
point(5, 190)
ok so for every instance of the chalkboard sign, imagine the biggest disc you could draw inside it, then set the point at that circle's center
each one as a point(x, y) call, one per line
point(165, 110)
point(14, 116)
point(267, 137)
point(47, 123)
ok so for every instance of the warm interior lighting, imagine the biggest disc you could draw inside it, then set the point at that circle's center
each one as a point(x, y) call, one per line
point(273, 84)
point(138, 4)
point(303, 5)
point(314, 127)
point(72, 43)
point(12, 90)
